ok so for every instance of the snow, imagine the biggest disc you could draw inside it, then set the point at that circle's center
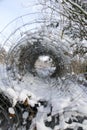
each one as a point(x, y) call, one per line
point(61, 99)
point(11, 110)
point(44, 58)
point(85, 122)
point(66, 96)
point(49, 118)
point(84, 43)
point(40, 126)
point(12, 94)
point(25, 115)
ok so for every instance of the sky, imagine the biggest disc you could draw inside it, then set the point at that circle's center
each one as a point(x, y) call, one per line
point(10, 9)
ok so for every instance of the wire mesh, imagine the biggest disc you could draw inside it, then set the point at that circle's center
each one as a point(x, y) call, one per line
point(25, 39)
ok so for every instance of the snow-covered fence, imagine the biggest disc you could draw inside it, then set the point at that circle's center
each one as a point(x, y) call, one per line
point(23, 57)
point(34, 101)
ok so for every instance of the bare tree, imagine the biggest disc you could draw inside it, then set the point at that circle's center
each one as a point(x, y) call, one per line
point(69, 18)
point(73, 13)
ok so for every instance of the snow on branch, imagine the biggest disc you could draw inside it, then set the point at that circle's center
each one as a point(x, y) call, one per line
point(78, 6)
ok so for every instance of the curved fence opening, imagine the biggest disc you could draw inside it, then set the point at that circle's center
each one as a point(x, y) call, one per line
point(44, 66)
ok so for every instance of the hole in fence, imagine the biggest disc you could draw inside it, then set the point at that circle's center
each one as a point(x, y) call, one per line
point(44, 66)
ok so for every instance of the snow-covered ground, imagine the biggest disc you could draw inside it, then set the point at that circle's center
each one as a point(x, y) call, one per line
point(64, 97)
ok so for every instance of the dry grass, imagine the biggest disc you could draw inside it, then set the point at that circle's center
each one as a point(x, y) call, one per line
point(78, 67)
point(2, 56)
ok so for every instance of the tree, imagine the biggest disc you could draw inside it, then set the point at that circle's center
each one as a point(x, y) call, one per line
point(73, 13)
point(68, 19)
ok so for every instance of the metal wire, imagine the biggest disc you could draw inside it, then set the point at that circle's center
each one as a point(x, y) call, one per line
point(24, 45)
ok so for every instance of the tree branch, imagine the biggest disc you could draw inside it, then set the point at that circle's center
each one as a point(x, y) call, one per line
point(78, 6)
